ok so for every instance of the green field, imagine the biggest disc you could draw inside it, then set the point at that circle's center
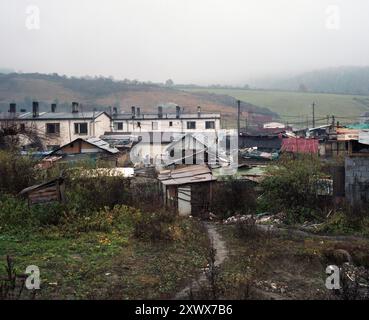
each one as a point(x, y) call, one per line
point(296, 106)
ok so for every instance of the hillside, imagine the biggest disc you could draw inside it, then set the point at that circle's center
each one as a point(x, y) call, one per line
point(100, 93)
point(295, 107)
point(341, 80)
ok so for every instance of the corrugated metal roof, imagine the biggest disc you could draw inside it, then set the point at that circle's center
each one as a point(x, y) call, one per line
point(97, 142)
point(300, 145)
point(364, 137)
point(101, 144)
point(186, 175)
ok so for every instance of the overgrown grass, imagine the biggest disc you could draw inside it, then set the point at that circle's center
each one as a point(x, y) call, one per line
point(110, 239)
point(102, 257)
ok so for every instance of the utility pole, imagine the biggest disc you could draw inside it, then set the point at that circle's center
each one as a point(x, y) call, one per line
point(238, 116)
point(313, 114)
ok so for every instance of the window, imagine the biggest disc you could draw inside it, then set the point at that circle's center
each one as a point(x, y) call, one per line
point(80, 128)
point(170, 123)
point(118, 125)
point(191, 124)
point(209, 125)
point(154, 126)
point(52, 128)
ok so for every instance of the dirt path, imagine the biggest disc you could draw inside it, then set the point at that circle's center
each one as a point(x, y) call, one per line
point(306, 234)
point(221, 254)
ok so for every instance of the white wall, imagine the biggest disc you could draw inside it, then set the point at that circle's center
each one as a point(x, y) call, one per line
point(178, 125)
point(95, 128)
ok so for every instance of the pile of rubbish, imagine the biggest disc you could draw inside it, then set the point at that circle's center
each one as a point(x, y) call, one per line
point(238, 218)
point(263, 218)
point(254, 153)
point(354, 283)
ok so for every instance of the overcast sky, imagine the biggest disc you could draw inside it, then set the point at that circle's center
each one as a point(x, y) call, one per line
point(190, 41)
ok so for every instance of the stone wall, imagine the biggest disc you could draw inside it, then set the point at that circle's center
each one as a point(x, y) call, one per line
point(357, 180)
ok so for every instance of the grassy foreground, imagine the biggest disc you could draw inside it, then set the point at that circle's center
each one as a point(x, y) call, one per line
point(108, 265)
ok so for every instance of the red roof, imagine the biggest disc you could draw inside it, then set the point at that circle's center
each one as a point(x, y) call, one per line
point(300, 145)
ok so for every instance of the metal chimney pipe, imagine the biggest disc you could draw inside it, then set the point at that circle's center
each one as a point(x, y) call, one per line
point(35, 109)
point(53, 107)
point(133, 111)
point(178, 111)
point(238, 117)
point(160, 112)
point(74, 107)
point(199, 112)
point(12, 108)
point(138, 112)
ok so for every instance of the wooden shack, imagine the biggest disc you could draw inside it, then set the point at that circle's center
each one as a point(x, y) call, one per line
point(187, 189)
point(46, 192)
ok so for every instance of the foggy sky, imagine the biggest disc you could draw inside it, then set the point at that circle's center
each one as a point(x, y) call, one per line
point(190, 41)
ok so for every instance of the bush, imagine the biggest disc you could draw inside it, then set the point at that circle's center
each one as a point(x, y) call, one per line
point(247, 229)
point(16, 172)
point(156, 226)
point(15, 214)
point(120, 218)
point(232, 197)
point(86, 194)
point(291, 186)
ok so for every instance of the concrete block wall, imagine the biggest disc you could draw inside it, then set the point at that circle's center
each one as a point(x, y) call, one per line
point(357, 180)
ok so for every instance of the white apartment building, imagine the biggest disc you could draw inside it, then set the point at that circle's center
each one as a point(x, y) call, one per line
point(55, 129)
point(58, 128)
point(178, 122)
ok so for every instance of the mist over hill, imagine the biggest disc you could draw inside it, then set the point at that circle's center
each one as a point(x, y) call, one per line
point(342, 80)
point(101, 93)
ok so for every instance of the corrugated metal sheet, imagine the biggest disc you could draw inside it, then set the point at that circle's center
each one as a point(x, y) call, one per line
point(186, 175)
point(345, 134)
point(300, 145)
point(364, 137)
point(101, 144)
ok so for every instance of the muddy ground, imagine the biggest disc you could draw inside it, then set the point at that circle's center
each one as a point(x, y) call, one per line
point(279, 265)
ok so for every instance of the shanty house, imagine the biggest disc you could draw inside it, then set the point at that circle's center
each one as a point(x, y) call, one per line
point(45, 192)
point(82, 149)
point(188, 190)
